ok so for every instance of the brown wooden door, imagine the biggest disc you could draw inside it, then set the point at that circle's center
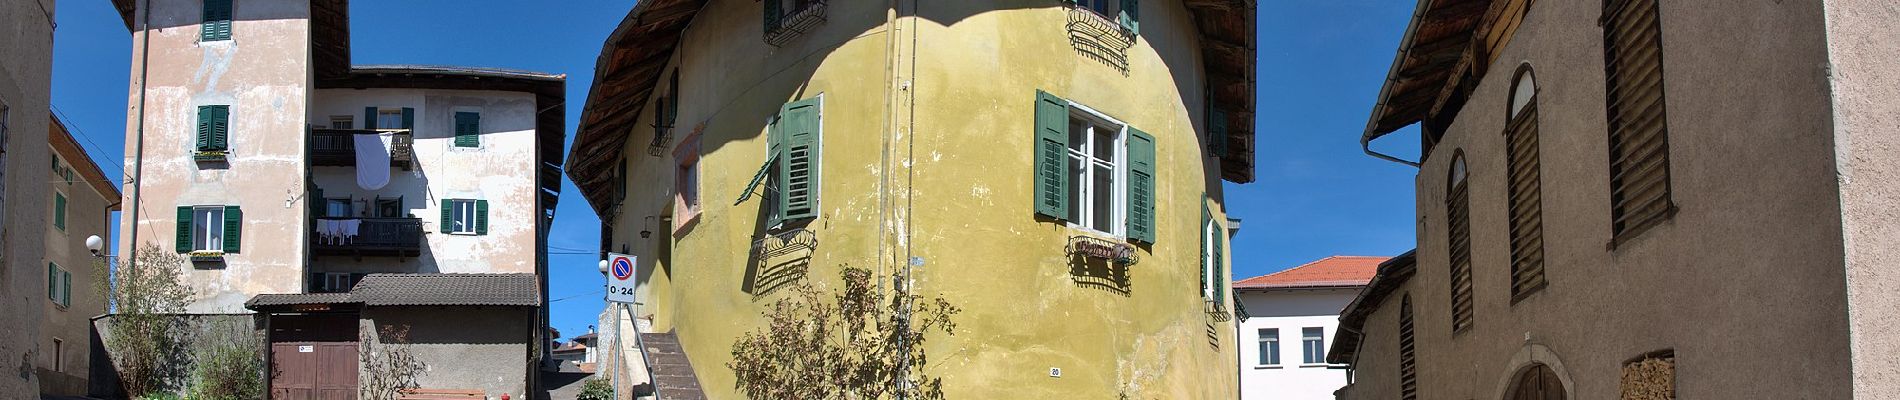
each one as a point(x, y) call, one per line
point(1538, 382)
point(313, 371)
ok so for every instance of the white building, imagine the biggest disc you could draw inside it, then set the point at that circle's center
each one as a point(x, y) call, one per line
point(1289, 322)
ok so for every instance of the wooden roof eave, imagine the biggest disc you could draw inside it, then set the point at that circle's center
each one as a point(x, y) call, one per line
point(1436, 40)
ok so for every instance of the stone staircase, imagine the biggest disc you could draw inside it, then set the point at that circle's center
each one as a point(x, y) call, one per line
point(673, 376)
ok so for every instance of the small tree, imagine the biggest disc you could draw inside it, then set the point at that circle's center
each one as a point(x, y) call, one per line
point(387, 363)
point(846, 347)
point(145, 337)
point(228, 363)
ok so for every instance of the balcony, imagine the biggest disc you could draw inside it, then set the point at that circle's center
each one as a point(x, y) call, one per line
point(337, 147)
point(359, 237)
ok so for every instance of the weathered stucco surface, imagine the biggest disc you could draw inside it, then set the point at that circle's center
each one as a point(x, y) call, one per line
point(481, 348)
point(25, 84)
point(86, 213)
point(1744, 282)
point(497, 171)
point(926, 153)
point(1864, 67)
point(263, 74)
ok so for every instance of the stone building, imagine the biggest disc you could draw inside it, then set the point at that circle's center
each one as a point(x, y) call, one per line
point(82, 202)
point(1053, 168)
point(25, 86)
point(1641, 199)
point(290, 176)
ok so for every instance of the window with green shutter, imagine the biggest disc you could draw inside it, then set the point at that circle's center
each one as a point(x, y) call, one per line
point(233, 229)
point(799, 133)
point(184, 232)
point(52, 281)
point(1141, 186)
point(1051, 155)
point(1092, 171)
point(214, 127)
point(59, 211)
point(468, 129)
point(1213, 257)
point(209, 229)
point(65, 288)
point(217, 21)
point(465, 216)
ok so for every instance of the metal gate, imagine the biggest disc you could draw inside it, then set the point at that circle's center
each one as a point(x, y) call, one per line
point(313, 371)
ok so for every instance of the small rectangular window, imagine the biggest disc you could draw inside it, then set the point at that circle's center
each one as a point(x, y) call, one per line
point(207, 228)
point(468, 129)
point(464, 220)
point(389, 208)
point(217, 21)
point(337, 208)
point(1270, 346)
point(1313, 345)
point(342, 122)
point(389, 118)
point(337, 282)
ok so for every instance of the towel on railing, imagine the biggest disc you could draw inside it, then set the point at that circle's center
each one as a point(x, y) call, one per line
point(372, 160)
point(338, 231)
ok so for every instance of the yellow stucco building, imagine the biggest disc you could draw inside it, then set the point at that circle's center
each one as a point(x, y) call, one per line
point(1051, 167)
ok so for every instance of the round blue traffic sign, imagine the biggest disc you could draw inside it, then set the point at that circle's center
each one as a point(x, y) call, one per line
point(623, 268)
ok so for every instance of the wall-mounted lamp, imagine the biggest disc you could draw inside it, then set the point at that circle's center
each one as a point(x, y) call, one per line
point(646, 227)
point(97, 245)
point(603, 267)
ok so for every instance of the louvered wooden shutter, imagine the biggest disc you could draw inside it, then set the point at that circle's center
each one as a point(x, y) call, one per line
point(772, 15)
point(1051, 153)
point(59, 211)
point(409, 118)
point(369, 118)
point(1458, 206)
point(217, 21)
point(1217, 132)
point(448, 216)
point(481, 217)
point(799, 126)
point(1130, 17)
point(467, 129)
point(66, 288)
point(1220, 263)
point(1408, 363)
point(183, 240)
point(1207, 216)
point(1522, 155)
point(1141, 186)
point(1639, 134)
point(233, 229)
point(52, 281)
point(213, 127)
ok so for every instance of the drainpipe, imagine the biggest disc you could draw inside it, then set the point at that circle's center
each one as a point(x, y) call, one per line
point(138, 152)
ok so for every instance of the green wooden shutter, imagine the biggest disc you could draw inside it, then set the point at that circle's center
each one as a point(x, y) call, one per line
point(216, 24)
point(59, 211)
point(213, 127)
point(1206, 217)
point(1052, 142)
point(66, 288)
point(481, 217)
point(774, 165)
point(1141, 186)
point(52, 281)
point(369, 117)
point(183, 241)
point(317, 206)
point(409, 118)
point(1131, 16)
point(468, 129)
point(448, 216)
point(233, 229)
point(799, 169)
point(771, 15)
point(1220, 264)
point(1216, 131)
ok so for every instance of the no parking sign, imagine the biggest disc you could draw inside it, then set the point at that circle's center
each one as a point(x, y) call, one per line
point(620, 279)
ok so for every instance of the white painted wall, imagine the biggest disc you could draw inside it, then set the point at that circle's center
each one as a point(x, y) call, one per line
point(500, 171)
point(1289, 311)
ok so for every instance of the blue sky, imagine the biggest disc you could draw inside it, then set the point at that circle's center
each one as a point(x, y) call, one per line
point(1320, 65)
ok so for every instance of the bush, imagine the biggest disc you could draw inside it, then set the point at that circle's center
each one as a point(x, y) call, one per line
point(595, 389)
point(228, 365)
point(859, 343)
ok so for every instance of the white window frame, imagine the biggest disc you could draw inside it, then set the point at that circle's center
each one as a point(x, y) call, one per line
point(203, 227)
point(347, 122)
point(1084, 207)
point(1209, 234)
point(60, 282)
point(349, 207)
point(1308, 351)
point(383, 113)
point(1269, 346)
point(462, 217)
point(336, 282)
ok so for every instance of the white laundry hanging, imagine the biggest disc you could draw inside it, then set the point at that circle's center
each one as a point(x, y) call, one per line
point(372, 160)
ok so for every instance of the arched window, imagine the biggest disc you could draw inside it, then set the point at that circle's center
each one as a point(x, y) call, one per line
point(1525, 189)
point(1536, 382)
point(1458, 226)
point(1408, 365)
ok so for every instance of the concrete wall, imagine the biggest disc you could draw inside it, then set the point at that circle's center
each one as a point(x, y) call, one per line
point(484, 348)
point(926, 153)
point(263, 73)
point(25, 81)
point(1290, 311)
point(1862, 60)
point(500, 171)
point(1744, 283)
point(86, 215)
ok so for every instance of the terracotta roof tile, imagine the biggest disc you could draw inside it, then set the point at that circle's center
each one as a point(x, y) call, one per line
point(1334, 271)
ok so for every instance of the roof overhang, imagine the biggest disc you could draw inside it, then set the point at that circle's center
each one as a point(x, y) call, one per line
point(62, 142)
point(1392, 275)
point(389, 290)
point(1438, 40)
point(635, 54)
